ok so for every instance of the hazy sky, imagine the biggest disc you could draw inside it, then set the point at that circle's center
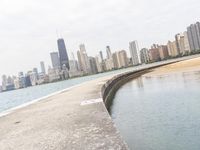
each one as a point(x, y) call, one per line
point(28, 27)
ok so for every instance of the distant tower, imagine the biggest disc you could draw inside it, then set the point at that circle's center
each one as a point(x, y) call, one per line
point(55, 60)
point(101, 55)
point(83, 60)
point(108, 51)
point(42, 67)
point(134, 51)
point(64, 60)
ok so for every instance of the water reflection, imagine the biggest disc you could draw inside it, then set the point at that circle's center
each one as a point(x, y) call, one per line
point(160, 112)
point(140, 82)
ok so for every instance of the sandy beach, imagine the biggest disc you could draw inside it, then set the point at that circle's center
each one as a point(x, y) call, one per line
point(183, 66)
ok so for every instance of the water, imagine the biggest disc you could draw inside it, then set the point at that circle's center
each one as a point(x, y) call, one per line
point(18, 97)
point(15, 98)
point(160, 112)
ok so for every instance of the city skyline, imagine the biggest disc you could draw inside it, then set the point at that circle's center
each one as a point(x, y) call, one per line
point(31, 29)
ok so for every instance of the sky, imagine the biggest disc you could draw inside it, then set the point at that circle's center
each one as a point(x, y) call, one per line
point(29, 28)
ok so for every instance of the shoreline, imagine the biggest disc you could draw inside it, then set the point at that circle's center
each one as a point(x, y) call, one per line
point(70, 118)
point(11, 110)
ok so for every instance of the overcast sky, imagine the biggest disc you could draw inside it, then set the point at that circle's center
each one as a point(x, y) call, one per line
point(28, 27)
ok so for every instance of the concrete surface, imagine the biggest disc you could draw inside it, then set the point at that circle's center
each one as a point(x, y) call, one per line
point(76, 119)
point(60, 122)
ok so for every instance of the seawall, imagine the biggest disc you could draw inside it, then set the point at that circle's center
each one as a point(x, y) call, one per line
point(109, 89)
point(73, 119)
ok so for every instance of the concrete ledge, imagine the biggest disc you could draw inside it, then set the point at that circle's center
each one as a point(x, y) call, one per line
point(75, 119)
point(109, 89)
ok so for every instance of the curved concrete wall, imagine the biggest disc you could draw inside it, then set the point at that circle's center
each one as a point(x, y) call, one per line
point(109, 89)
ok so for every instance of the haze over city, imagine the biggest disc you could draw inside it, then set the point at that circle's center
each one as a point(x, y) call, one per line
point(28, 28)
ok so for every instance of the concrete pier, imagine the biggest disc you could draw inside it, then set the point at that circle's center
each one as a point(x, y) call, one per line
point(74, 119)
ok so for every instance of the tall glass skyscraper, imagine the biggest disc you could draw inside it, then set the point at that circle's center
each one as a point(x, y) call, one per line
point(64, 60)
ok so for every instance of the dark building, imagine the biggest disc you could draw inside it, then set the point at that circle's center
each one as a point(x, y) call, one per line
point(193, 32)
point(64, 60)
point(27, 81)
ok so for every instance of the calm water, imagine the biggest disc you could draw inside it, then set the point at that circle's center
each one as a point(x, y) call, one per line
point(17, 97)
point(160, 112)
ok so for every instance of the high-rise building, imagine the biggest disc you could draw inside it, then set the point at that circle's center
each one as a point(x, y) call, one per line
point(93, 65)
point(186, 42)
point(154, 54)
point(74, 68)
point(134, 51)
point(119, 59)
point(109, 64)
point(55, 60)
point(163, 51)
point(177, 40)
point(122, 59)
point(193, 32)
point(115, 60)
point(83, 60)
point(101, 56)
point(43, 70)
point(35, 72)
point(27, 80)
point(144, 55)
point(172, 48)
point(4, 82)
point(64, 60)
point(98, 64)
point(108, 51)
point(22, 81)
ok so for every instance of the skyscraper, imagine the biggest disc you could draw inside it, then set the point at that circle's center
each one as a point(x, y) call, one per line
point(108, 51)
point(134, 51)
point(42, 67)
point(64, 60)
point(55, 60)
point(84, 60)
point(172, 48)
point(93, 65)
point(154, 53)
point(122, 58)
point(186, 42)
point(101, 55)
point(144, 55)
point(115, 60)
point(163, 51)
point(193, 32)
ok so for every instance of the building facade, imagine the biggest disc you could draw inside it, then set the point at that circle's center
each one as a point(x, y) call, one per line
point(43, 70)
point(144, 55)
point(163, 51)
point(193, 32)
point(64, 60)
point(55, 60)
point(134, 52)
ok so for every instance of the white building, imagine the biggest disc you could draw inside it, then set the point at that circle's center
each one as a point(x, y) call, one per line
point(84, 60)
point(54, 74)
point(74, 69)
point(43, 70)
point(134, 52)
point(186, 42)
point(109, 64)
point(122, 59)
